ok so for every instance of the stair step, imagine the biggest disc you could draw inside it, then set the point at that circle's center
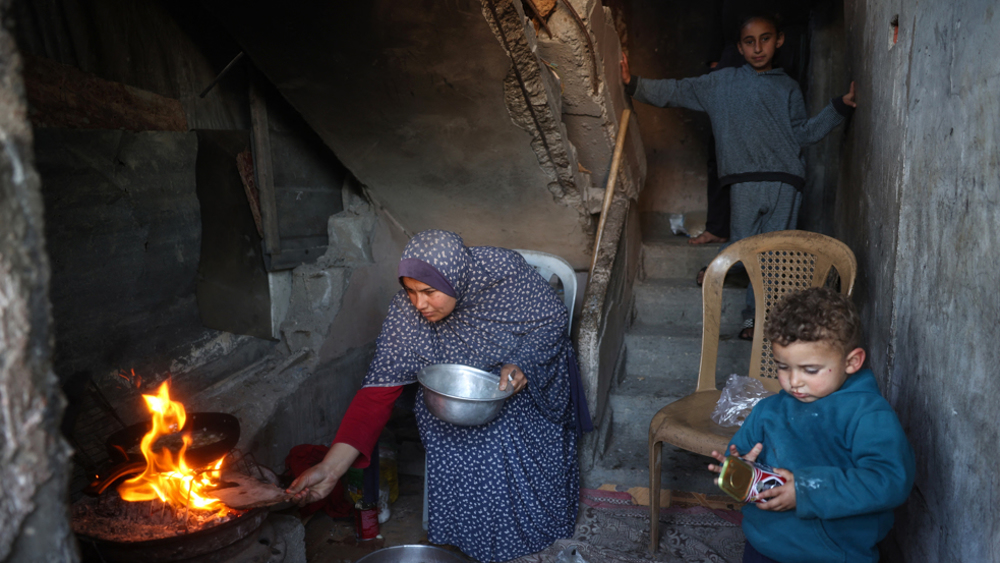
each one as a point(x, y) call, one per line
point(674, 353)
point(675, 258)
point(626, 463)
point(625, 460)
point(663, 353)
point(636, 399)
point(678, 302)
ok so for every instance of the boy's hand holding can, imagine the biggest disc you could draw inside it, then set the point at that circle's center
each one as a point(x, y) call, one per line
point(747, 481)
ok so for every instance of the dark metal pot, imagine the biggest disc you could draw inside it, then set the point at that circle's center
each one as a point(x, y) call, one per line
point(121, 442)
point(124, 465)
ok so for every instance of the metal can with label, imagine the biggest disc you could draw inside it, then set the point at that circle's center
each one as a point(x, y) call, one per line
point(366, 520)
point(744, 480)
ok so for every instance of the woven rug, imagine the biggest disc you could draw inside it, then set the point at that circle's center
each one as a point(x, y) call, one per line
point(611, 529)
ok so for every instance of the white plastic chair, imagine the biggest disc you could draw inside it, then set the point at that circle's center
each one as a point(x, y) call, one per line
point(547, 265)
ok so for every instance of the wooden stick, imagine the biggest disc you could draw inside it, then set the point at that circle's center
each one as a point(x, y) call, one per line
point(265, 173)
point(609, 191)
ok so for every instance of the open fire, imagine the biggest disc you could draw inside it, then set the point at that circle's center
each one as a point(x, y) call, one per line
point(170, 495)
point(172, 481)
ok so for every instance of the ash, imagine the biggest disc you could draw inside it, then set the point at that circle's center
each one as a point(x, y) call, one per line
point(110, 518)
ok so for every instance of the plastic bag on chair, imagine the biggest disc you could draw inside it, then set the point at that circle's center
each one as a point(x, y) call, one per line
point(738, 398)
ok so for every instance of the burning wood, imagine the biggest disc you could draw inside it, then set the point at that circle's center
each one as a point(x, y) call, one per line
point(170, 497)
point(248, 492)
point(173, 482)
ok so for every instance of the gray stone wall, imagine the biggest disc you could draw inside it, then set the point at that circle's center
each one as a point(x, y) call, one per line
point(34, 459)
point(918, 203)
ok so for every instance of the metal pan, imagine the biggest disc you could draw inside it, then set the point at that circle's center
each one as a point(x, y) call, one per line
point(125, 440)
point(124, 464)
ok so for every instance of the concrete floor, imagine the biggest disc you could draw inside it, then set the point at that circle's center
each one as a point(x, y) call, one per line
point(331, 540)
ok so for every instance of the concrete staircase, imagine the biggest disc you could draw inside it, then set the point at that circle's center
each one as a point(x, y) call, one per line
point(662, 355)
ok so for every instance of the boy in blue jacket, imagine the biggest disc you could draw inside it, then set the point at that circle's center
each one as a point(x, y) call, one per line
point(760, 125)
point(838, 443)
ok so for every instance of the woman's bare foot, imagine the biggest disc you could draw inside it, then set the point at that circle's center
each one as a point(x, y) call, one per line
point(706, 238)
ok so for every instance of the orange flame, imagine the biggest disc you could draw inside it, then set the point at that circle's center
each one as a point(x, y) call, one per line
point(173, 483)
point(135, 379)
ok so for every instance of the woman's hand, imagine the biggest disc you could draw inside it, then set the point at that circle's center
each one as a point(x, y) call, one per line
point(849, 97)
point(626, 75)
point(513, 372)
point(317, 482)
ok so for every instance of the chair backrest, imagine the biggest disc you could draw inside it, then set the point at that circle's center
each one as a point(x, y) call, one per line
point(549, 265)
point(776, 263)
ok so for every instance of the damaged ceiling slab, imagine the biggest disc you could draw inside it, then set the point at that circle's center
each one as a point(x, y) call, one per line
point(422, 103)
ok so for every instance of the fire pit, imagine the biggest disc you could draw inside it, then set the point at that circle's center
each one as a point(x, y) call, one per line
point(170, 508)
point(221, 541)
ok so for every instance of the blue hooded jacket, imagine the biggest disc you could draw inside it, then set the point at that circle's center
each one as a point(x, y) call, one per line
point(852, 465)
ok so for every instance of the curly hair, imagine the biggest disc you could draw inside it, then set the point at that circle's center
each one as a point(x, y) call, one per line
point(814, 315)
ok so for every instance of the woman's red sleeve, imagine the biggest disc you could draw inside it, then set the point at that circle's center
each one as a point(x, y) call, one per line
point(365, 418)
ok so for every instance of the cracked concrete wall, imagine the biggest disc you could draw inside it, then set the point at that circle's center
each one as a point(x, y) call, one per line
point(918, 203)
point(34, 459)
point(338, 305)
point(528, 80)
point(358, 272)
point(592, 115)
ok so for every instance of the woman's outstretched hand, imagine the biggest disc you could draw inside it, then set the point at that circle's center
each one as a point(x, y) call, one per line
point(317, 482)
point(849, 97)
point(626, 75)
point(510, 371)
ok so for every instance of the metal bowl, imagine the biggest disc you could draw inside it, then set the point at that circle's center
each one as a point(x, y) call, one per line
point(462, 395)
point(412, 554)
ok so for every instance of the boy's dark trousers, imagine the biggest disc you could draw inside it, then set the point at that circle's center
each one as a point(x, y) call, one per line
point(717, 221)
point(751, 555)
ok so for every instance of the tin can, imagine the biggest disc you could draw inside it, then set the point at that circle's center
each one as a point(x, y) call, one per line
point(743, 480)
point(366, 520)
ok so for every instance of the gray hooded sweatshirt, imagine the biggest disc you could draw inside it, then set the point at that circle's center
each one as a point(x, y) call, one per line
point(759, 120)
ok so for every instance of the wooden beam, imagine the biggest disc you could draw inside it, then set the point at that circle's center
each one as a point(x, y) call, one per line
point(264, 169)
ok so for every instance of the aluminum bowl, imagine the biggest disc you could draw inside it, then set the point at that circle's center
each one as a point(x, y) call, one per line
point(462, 395)
point(412, 554)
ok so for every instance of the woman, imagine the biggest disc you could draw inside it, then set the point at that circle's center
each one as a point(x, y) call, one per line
point(504, 489)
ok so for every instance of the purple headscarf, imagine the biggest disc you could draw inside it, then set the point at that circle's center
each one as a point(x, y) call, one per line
point(505, 313)
point(423, 272)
